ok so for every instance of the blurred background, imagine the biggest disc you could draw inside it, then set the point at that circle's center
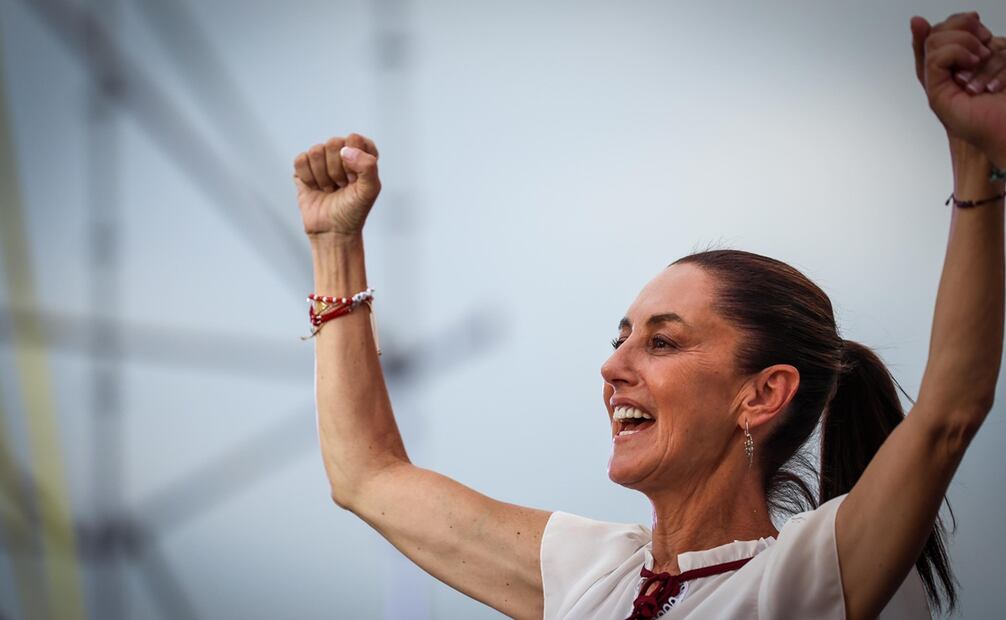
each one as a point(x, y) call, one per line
point(541, 162)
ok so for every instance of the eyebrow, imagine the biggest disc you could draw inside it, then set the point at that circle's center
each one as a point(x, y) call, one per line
point(656, 319)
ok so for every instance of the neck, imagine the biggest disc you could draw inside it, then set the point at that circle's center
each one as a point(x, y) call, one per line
point(728, 506)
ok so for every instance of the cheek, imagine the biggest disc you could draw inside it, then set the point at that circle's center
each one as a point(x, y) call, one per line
point(694, 400)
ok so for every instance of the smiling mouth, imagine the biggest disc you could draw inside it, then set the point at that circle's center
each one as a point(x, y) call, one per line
point(625, 429)
point(629, 421)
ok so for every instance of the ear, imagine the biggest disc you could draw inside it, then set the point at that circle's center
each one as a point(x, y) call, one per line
point(767, 395)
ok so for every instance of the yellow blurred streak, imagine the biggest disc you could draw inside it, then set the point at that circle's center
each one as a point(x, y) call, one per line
point(16, 532)
point(58, 544)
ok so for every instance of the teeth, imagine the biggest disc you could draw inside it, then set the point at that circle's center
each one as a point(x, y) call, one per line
point(622, 413)
point(626, 433)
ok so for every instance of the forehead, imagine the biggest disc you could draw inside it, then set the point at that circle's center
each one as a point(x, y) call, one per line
point(686, 290)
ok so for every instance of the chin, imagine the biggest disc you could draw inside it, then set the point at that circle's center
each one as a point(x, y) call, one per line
point(624, 474)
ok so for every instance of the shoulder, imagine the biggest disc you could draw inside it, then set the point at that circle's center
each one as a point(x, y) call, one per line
point(589, 566)
point(802, 572)
point(564, 526)
point(801, 569)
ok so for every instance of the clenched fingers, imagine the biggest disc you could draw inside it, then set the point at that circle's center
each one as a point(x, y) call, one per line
point(324, 167)
point(316, 157)
point(937, 40)
point(991, 75)
point(302, 170)
point(967, 22)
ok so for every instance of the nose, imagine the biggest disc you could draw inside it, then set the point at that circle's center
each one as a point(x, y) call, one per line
point(617, 369)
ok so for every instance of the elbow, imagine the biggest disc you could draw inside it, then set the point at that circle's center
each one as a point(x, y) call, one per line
point(342, 498)
point(971, 414)
point(955, 431)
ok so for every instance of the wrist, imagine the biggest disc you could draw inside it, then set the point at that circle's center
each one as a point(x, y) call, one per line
point(972, 169)
point(339, 266)
point(333, 239)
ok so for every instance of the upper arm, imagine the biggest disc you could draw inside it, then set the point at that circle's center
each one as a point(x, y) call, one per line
point(883, 524)
point(482, 547)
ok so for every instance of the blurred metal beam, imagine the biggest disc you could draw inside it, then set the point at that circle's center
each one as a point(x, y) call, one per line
point(121, 536)
point(101, 197)
point(406, 587)
point(123, 82)
point(243, 355)
point(210, 83)
point(163, 584)
point(230, 353)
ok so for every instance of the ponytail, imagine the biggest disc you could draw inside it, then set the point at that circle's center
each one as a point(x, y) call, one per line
point(864, 410)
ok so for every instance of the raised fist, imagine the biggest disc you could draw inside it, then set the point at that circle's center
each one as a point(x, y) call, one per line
point(962, 68)
point(337, 184)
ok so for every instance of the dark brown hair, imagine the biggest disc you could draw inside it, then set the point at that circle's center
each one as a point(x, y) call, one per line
point(844, 387)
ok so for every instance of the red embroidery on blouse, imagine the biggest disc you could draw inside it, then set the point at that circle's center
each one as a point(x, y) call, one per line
point(647, 606)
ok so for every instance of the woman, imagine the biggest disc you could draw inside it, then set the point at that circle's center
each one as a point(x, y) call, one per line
point(723, 366)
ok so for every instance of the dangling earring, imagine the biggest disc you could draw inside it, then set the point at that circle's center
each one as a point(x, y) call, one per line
point(748, 444)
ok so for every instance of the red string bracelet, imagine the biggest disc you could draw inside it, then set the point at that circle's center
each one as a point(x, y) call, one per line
point(333, 307)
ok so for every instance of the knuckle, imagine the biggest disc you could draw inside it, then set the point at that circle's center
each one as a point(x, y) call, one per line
point(316, 151)
point(334, 143)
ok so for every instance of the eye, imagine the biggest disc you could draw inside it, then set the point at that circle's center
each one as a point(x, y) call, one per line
point(659, 342)
point(617, 342)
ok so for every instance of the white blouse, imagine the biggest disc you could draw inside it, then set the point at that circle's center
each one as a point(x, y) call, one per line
point(590, 570)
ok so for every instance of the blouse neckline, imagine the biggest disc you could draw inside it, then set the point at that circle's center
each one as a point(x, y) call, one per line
point(736, 550)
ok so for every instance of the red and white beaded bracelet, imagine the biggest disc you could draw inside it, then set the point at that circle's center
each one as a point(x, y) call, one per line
point(334, 307)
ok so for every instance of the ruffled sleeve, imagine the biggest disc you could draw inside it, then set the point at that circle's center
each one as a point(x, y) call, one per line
point(588, 566)
point(802, 577)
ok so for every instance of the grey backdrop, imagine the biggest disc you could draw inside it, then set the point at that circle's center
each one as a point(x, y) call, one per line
point(541, 162)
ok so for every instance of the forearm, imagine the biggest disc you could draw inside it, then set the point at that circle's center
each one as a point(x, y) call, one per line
point(356, 425)
point(967, 335)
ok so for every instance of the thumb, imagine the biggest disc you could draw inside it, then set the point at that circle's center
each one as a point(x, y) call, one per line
point(358, 160)
point(920, 30)
point(364, 165)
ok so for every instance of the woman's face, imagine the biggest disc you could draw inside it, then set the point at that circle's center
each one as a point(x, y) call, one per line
point(674, 361)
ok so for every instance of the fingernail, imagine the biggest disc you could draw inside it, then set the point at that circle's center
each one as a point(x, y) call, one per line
point(964, 77)
point(349, 152)
point(975, 87)
point(994, 85)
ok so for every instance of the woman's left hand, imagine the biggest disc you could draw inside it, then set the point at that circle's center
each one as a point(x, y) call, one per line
point(956, 61)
